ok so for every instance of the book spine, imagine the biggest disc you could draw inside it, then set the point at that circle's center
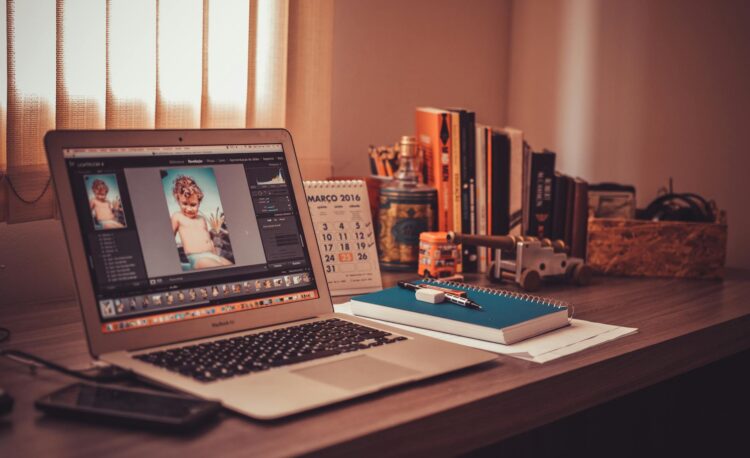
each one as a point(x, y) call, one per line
point(500, 178)
point(455, 172)
point(570, 192)
point(516, 178)
point(433, 136)
point(526, 182)
point(464, 160)
point(481, 195)
point(444, 168)
point(559, 192)
point(580, 219)
point(471, 143)
point(488, 180)
point(540, 203)
point(468, 208)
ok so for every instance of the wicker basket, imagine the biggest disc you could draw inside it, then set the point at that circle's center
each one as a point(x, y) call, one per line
point(657, 248)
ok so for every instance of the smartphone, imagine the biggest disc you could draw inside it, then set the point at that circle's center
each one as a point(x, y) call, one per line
point(129, 406)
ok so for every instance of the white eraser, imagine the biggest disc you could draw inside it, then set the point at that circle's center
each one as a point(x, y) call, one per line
point(430, 295)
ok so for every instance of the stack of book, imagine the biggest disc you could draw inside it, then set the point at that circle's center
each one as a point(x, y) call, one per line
point(470, 166)
point(555, 205)
point(489, 182)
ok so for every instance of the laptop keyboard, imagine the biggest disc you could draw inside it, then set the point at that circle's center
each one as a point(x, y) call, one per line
point(220, 359)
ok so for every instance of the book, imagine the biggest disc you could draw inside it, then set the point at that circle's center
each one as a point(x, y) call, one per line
point(455, 174)
point(525, 187)
point(559, 206)
point(464, 170)
point(516, 172)
point(579, 233)
point(506, 317)
point(570, 191)
point(498, 183)
point(539, 173)
point(481, 193)
point(345, 234)
point(500, 153)
point(433, 132)
point(490, 195)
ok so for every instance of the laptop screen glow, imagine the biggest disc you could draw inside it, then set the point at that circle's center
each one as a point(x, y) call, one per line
point(187, 232)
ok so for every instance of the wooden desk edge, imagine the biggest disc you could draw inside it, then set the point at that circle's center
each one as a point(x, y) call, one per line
point(466, 428)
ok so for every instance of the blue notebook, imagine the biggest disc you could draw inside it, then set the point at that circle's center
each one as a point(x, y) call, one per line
point(507, 317)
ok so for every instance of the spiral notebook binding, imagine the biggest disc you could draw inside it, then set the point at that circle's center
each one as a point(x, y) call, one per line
point(505, 293)
point(333, 183)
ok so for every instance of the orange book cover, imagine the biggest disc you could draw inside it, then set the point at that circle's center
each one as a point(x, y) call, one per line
point(434, 138)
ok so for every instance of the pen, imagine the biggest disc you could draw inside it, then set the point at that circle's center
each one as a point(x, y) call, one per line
point(458, 300)
point(462, 301)
point(407, 285)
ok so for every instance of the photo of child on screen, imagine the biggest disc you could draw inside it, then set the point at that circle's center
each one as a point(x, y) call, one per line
point(107, 212)
point(203, 240)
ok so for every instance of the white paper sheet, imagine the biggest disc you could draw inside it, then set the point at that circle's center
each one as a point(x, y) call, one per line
point(578, 336)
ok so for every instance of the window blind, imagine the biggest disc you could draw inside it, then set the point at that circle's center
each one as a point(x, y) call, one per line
point(116, 64)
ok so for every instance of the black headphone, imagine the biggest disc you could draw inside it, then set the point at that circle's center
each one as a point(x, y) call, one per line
point(679, 207)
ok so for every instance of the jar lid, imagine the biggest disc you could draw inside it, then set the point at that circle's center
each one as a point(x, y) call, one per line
point(433, 237)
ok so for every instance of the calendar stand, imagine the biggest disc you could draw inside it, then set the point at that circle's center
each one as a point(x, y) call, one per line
point(346, 236)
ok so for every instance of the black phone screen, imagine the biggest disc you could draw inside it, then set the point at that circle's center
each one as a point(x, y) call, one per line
point(127, 402)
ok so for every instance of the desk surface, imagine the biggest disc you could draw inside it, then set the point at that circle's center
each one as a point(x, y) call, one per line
point(683, 325)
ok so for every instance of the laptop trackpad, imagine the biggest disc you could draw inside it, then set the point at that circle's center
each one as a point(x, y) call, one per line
point(357, 372)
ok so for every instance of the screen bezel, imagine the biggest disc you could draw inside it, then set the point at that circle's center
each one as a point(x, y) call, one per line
point(134, 339)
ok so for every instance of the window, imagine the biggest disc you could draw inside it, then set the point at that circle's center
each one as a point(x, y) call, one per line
point(115, 64)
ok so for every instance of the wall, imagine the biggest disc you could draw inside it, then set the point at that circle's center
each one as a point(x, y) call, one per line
point(631, 91)
point(34, 264)
point(308, 114)
point(390, 56)
point(640, 91)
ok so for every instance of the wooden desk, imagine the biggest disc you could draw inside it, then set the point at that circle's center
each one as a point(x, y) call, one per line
point(683, 325)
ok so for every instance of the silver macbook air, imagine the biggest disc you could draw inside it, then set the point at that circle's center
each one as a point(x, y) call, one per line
point(197, 267)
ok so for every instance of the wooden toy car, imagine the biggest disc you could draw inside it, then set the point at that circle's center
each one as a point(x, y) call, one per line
point(527, 260)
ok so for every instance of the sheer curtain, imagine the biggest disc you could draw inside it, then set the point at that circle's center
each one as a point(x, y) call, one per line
point(156, 64)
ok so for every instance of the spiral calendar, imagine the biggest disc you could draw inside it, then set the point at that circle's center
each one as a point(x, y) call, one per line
point(346, 237)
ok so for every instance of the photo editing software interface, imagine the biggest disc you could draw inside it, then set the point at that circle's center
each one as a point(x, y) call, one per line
point(188, 232)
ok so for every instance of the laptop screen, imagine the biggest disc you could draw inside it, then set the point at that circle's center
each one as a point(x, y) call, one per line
point(187, 232)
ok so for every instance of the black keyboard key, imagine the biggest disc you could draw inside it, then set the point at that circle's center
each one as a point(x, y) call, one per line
point(301, 359)
point(226, 358)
